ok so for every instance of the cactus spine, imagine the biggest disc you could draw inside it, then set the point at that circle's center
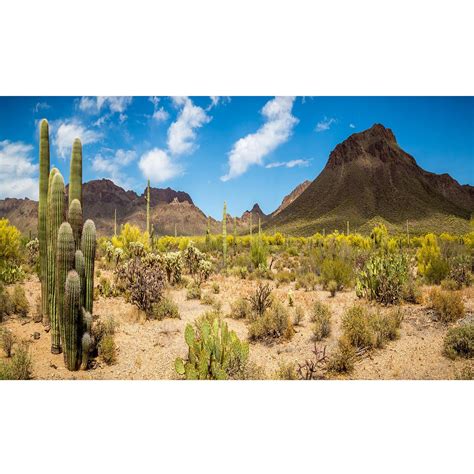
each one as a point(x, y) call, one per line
point(64, 263)
point(224, 233)
point(75, 173)
point(71, 321)
point(42, 216)
point(88, 250)
point(75, 219)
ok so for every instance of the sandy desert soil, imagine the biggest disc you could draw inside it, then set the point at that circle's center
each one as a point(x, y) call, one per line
point(147, 349)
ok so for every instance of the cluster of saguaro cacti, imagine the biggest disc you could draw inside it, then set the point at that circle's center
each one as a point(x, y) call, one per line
point(67, 272)
point(224, 233)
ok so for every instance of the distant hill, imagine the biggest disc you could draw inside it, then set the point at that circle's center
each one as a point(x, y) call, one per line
point(369, 176)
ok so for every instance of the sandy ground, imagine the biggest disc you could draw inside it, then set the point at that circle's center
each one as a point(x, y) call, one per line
point(147, 349)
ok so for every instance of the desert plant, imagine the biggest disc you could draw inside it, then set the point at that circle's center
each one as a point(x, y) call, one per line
point(216, 288)
point(459, 342)
point(166, 308)
point(19, 302)
point(224, 234)
point(332, 288)
point(298, 316)
point(261, 299)
point(286, 371)
point(240, 309)
point(383, 278)
point(321, 319)
point(431, 265)
point(5, 303)
point(214, 352)
point(447, 305)
point(88, 250)
point(173, 266)
point(343, 358)
point(108, 349)
point(75, 173)
point(74, 217)
point(71, 324)
point(275, 323)
point(193, 292)
point(336, 269)
point(357, 327)
point(459, 271)
point(258, 253)
point(7, 340)
point(19, 367)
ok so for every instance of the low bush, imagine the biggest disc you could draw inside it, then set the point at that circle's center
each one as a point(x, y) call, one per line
point(342, 359)
point(19, 367)
point(240, 309)
point(275, 323)
point(411, 291)
point(386, 326)
point(298, 316)
point(447, 305)
point(449, 285)
point(6, 306)
point(166, 308)
point(216, 288)
point(307, 280)
point(108, 349)
point(7, 340)
point(286, 371)
point(207, 299)
point(336, 270)
point(332, 288)
point(436, 271)
point(284, 277)
point(459, 271)
point(321, 319)
point(193, 292)
point(20, 305)
point(459, 342)
point(261, 299)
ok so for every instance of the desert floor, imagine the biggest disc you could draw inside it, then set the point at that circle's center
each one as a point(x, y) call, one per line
point(147, 349)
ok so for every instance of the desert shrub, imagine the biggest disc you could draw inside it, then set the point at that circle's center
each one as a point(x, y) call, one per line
point(411, 291)
point(10, 272)
point(291, 300)
point(459, 271)
point(10, 245)
point(275, 323)
point(447, 305)
point(284, 277)
point(214, 352)
point(165, 308)
point(208, 299)
point(298, 316)
point(431, 265)
point(342, 359)
point(173, 264)
point(449, 285)
point(258, 253)
point(19, 367)
point(261, 299)
point(7, 340)
point(321, 319)
point(192, 256)
point(459, 342)
point(5, 303)
point(356, 326)
point(106, 288)
point(32, 254)
point(332, 288)
point(193, 292)
point(436, 271)
point(466, 373)
point(131, 241)
point(286, 371)
point(337, 270)
point(143, 279)
point(20, 305)
point(386, 326)
point(379, 236)
point(108, 349)
point(239, 272)
point(383, 278)
point(307, 280)
point(240, 309)
point(216, 288)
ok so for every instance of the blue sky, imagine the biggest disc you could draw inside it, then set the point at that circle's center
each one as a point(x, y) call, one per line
point(240, 149)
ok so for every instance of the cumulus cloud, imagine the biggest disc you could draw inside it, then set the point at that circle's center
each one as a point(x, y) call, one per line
point(288, 164)
point(159, 113)
point(252, 149)
point(116, 104)
point(181, 133)
point(112, 166)
point(18, 173)
point(325, 124)
point(158, 166)
point(41, 106)
point(67, 131)
point(351, 125)
point(216, 100)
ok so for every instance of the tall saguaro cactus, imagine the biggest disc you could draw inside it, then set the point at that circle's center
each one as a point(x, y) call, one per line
point(80, 267)
point(75, 219)
point(148, 208)
point(88, 250)
point(75, 173)
point(42, 216)
point(71, 321)
point(64, 263)
point(224, 233)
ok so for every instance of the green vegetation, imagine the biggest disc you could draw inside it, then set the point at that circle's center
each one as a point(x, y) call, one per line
point(459, 342)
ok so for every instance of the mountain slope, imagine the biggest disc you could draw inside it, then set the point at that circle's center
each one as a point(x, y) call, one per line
point(369, 175)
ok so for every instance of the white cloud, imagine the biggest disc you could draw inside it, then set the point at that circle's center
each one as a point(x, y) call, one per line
point(67, 131)
point(277, 129)
point(216, 100)
point(288, 164)
point(18, 173)
point(112, 166)
point(41, 106)
point(181, 133)
point(160, 115)
point(116, 104)
point(157, 166)
point(325, 124)
point(351, 125)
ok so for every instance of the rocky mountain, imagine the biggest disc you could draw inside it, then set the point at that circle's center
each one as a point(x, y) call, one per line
point(368, 176)
point(256, 213)
point(289, 198)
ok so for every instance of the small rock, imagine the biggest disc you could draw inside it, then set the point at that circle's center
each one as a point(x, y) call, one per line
point(53, 366)
point(36, 335)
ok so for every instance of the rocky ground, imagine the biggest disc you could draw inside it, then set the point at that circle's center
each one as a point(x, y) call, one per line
point(147, 349)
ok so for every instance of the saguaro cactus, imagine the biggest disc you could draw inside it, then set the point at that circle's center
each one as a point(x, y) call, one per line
point(88, 250)
point(71, 321)
point(115, 222)
point(224, 233)
point(75, 173)
point(235, 236)
point(42, 216)
point(64, 263)
point(75, 219)
point(148, 208)
point(80, 267)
